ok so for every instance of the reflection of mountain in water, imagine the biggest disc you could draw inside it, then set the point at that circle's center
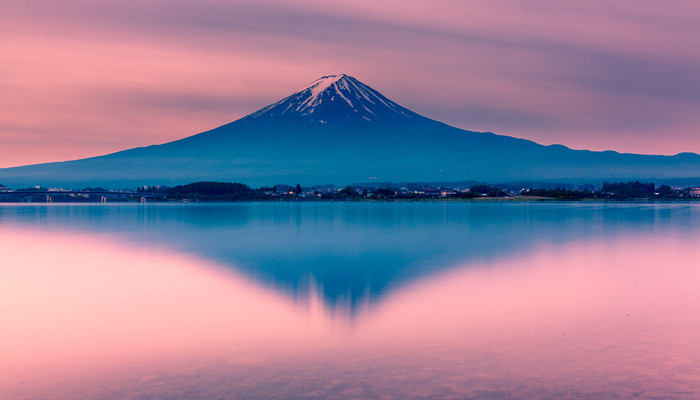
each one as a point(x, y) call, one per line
point(354, 252)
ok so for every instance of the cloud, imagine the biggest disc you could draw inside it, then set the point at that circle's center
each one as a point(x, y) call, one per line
point(586, 74)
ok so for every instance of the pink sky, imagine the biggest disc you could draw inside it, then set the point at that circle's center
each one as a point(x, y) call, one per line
point(80, 78)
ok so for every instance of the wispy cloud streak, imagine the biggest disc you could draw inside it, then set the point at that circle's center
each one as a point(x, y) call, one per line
point(81, 78)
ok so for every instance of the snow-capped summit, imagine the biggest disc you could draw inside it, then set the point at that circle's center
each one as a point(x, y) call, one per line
point(335, 99)
point(340, 130)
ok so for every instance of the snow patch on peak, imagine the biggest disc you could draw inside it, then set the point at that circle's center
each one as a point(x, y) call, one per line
point(342, 95)
point(319, 85)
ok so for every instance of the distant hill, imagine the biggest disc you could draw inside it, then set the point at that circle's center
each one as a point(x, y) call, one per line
point(339, 130)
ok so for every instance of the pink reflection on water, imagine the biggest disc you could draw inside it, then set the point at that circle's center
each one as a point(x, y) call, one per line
point(581, 320)
point(73, 301)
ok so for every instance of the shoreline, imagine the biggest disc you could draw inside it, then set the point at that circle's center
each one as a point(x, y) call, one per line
point(514, 199)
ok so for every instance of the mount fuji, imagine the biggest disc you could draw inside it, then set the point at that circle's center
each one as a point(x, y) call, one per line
point(339, 130)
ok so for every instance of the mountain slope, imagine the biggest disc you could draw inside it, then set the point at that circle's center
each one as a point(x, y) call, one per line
point(338, 130)
point(334, 100)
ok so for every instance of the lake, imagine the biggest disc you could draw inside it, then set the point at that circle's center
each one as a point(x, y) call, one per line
point(442, 300)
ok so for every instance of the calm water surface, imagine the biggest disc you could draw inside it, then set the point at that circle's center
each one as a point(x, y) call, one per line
point(350, 301)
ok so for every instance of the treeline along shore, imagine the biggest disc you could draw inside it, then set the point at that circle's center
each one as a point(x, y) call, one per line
point(470, 190)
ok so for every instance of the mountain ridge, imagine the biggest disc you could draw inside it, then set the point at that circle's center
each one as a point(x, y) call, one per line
point(355, 100)
point(339, 130)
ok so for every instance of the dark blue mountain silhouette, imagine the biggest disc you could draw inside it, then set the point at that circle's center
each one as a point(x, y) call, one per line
point(339, 130)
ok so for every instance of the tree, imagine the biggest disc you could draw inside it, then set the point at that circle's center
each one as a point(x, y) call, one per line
point(386, 192)
point(212, 191)
point(666, 191)
point(480, 189)
point(490, 191)
point(629, 189)
point(348, 191)
point(297, 191)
